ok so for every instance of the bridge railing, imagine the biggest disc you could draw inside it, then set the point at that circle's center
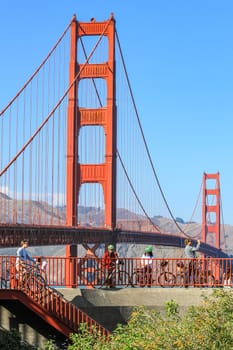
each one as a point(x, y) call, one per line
point(127, 272)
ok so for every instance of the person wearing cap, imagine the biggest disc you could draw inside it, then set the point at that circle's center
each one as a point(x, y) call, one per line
point(147, 264)
point(109, 260)
point(190, 252)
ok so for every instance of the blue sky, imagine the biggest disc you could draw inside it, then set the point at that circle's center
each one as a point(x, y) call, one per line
point(179, 58)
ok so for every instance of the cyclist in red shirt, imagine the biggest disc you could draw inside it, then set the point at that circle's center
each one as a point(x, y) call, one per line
point(109, 261)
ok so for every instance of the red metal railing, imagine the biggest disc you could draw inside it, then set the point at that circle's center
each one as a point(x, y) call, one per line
point(130, 272)
point(30, 280)
point(41, 286)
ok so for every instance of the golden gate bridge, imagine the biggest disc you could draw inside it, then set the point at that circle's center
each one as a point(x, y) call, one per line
point(75, 165)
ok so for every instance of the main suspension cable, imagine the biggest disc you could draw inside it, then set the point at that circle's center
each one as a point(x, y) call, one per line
point(133, 189)
point(144, 140)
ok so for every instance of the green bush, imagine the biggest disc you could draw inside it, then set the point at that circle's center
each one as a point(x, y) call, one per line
point(205, 327)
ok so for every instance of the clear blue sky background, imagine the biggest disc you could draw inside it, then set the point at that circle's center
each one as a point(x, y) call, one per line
point(179, 57)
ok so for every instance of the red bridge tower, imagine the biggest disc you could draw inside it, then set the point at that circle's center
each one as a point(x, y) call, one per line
point(211, 210)
point(104, 173)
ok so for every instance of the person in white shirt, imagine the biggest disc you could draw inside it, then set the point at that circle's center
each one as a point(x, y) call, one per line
point(227, 276)
point(146, 264)
point(43, 263)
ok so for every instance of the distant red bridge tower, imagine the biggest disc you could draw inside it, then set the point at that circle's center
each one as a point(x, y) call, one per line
point(104, 173)
point(211, 210)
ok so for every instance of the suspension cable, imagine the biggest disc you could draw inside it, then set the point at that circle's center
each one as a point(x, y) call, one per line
point(144, 140)
point(118, 153)
point(57, 104)
point(194, 210)
point(125, 171)
point(38, 69)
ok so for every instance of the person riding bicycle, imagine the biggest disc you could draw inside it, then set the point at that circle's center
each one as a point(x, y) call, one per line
point(146, 264)
point(109, 261)
point(190, 252)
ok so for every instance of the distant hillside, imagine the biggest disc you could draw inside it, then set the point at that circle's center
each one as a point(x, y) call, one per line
point(31, 207)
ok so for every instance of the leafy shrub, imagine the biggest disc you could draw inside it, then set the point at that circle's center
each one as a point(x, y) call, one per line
point(208, 326)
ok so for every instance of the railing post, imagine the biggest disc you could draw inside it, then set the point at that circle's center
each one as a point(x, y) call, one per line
point(13, 272)
point(70, 266)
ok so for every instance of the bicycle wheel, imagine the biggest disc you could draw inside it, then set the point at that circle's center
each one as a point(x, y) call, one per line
point(25, 281)
point(38, 283)
point(99, 278)
point(180, 280)
point(123, 279)
point(167, 279)
point(135, 280)
point(211, 281)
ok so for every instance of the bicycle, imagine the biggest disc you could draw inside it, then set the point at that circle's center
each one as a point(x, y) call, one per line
point(201, 276)
point(30, 277)
point(116, 276)
point(166, 278)
point(142, 277)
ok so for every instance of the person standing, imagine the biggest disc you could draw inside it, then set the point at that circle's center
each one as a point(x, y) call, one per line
point(42, 264)
point(22, 260)
point(227, 276)
point(87, 266)
point(146, 263)
point(23, 257)
point(190, 253)
point(109, 261)
point(189, 250)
